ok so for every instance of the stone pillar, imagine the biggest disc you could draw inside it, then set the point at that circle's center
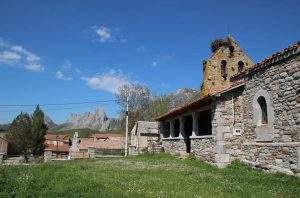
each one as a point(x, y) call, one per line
point(171, 128)
point(91, 152)
point(1, 158)
point(195, 125)
point(47, 155)
point(181, 126)
point(298, 161)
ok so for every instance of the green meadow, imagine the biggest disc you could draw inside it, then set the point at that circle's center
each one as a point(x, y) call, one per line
point(158, 175)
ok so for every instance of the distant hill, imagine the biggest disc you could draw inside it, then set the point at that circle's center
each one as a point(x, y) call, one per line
point(180, 97)
point(49, 122)
point(3, 128)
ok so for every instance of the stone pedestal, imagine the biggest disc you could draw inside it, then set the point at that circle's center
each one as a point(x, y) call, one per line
point(47, 155)
point(92, 152)
point(1, 158)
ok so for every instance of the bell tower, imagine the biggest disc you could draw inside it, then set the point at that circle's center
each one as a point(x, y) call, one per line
point(226, 60)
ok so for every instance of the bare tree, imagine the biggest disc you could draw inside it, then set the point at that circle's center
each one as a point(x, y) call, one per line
point(138, 101)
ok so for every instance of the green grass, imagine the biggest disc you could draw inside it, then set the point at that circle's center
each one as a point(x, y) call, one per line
point(143, 176)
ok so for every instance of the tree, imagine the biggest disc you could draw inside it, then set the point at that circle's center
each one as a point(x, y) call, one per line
point(157, 106)
point(139, 98)
point(39, 130)
point(20, 135)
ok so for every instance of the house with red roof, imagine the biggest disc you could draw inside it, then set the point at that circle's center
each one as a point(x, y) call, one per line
point(57, 146)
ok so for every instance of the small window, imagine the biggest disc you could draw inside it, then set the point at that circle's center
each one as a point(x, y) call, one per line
point(263, 109)
point(241, 66)
point(204, 64)
point(223, 68)
point(231, 49)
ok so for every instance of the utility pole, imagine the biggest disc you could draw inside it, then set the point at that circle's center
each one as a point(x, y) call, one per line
point(126, 135)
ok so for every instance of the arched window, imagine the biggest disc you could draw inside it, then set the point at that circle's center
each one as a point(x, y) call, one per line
point(241, 66)
point(263, 109)
point(223, 68)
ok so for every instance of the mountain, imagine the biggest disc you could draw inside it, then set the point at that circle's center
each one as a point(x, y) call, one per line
point(93, 120)
point(49, 122)
point(3, 128)
point(96, 120)
point(180, 97)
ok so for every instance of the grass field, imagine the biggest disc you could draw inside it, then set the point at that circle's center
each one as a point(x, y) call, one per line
point(143, 176)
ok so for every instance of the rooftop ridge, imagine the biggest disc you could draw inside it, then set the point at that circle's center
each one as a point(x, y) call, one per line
point(275, 57)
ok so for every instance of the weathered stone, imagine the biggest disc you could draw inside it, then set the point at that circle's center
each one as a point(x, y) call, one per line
point(269, 135)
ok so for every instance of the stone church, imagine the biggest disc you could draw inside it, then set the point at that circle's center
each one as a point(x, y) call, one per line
point(244, 111)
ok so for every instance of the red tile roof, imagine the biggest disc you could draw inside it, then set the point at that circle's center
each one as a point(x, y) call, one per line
point(197, 102)
point(278, 56)
point(58, 148)
point(57, 137)
point(102, 143)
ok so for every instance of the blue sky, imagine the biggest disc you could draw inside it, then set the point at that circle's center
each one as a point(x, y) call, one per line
point(73, 51)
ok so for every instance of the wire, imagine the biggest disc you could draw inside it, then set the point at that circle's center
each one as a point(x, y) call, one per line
point(57, 104)
point(53, 109)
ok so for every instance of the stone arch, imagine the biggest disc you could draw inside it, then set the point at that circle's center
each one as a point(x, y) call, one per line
point(263, 110)
point(257, 110)
point(263, 115)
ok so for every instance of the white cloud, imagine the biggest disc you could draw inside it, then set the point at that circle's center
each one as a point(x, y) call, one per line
point(8, 57)
point(105, 34)
point(60, 75)
point(140, 49)
point(109, 81)
point(67, 65)
point(155, 63)
point(34, 67)
point(15, 55)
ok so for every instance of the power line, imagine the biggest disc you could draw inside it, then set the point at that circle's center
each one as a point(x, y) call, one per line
point(58, 104)
point(51, 109)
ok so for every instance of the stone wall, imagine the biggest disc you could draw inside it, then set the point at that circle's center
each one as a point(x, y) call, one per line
point(203, 148)
point(212, 78)
point(228, 126)
point(283, 157)
point(174, 146)
point(280, 85)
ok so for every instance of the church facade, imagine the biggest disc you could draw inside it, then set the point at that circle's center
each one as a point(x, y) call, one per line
point(244, 111)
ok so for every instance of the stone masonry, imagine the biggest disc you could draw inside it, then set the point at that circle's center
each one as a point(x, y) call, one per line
point(254, 116)
point(281, 82)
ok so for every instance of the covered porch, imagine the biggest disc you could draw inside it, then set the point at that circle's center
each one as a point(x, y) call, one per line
point(187, 128)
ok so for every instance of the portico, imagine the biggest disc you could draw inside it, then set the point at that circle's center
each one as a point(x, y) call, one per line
point(188, 127)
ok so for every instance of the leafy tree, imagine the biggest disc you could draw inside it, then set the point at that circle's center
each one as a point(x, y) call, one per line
point(39, 130)
point(20, 135)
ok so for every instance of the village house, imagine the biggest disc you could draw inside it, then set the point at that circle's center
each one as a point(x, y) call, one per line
point(97, 144)
point(56, 146)
point(144, 138)
point(3, 146)
point(244, 111)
